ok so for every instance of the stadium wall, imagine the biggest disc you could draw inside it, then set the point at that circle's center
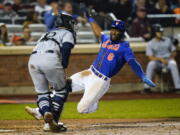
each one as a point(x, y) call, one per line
point(15, 79)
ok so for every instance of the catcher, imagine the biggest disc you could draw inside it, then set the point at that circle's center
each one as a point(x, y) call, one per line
point(46, 67)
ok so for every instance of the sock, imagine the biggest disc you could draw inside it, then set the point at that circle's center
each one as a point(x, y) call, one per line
point(44, 103)
point(57, 103)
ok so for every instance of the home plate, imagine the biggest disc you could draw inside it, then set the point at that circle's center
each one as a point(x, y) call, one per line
point(6, 130)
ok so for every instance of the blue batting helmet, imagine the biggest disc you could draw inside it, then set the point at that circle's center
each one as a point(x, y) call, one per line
point(118, 24)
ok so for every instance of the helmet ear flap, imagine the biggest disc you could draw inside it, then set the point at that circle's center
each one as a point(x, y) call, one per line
point(59, 20)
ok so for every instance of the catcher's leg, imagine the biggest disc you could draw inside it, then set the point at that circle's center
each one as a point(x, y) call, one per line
point(58, 101)
point(41, 87)
point(43, 94)
point(56, 78)
point(44, 102)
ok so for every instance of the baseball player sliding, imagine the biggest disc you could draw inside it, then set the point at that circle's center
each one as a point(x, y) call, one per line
point(46, 67)
point(113, 54)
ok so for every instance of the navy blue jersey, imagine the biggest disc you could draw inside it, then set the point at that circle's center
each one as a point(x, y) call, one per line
point(112, 56)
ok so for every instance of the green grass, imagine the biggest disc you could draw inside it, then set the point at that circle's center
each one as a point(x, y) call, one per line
point(150, 108)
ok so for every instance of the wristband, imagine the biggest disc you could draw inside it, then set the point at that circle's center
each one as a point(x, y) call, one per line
point(90, 20)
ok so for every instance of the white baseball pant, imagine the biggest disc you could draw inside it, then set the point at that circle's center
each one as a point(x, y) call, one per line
point(94, 88)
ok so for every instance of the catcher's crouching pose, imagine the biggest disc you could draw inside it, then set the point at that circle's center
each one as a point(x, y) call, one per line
point(46, 67)
point(113, 54)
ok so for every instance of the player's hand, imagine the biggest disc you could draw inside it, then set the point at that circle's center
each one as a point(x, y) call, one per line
point(148, 82)
point(164, 61)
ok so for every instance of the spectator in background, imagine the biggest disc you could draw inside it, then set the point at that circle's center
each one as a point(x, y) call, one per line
point(161, 53)
point(24, 38)
point(32, 18)
point(162, 7)
point(26, 35)
point(123, 9)
point(19, 6)
point(17, 40)
point(105, 6)
point(7, 11)
point(137, 4)
point(67, 7)
point(50, 16)
point(1, 5)
point(140, 26)
point(3, 34)
point(41, 7)
point(176, 10)
point(174, 4)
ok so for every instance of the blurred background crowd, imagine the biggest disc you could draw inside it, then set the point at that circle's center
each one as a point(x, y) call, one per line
point(22, 22)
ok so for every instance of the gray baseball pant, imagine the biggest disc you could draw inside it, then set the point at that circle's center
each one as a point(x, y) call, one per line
point(172, 66)
point(46, 69)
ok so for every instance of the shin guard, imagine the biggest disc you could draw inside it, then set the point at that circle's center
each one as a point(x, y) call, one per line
point(44, 103)
point(58, 101)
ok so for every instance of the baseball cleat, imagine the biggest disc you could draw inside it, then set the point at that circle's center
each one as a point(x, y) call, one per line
point(34, 112)
point(60, 128)
point(48, 118)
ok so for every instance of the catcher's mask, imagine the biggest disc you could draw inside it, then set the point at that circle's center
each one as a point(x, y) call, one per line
point(65, 20)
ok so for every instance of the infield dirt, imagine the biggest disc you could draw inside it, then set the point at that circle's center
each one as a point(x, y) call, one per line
point(96, 127)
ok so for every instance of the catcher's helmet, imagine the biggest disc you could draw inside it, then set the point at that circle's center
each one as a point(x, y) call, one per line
point(65, 20)
point(118, 24)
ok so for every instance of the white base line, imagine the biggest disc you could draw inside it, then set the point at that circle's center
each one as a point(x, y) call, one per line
point(6, 130)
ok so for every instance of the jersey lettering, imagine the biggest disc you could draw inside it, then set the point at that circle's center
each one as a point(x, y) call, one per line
point(105, 44)
point(112, 47)
point(116, 47)
point(50, 35)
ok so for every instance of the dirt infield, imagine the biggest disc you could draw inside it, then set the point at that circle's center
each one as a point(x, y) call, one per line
point(96, 127)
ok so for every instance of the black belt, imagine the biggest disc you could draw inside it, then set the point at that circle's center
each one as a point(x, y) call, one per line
point(48, 51)
point(99, 74)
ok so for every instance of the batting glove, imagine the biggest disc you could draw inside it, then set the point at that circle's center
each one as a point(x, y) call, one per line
point(148, 82)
